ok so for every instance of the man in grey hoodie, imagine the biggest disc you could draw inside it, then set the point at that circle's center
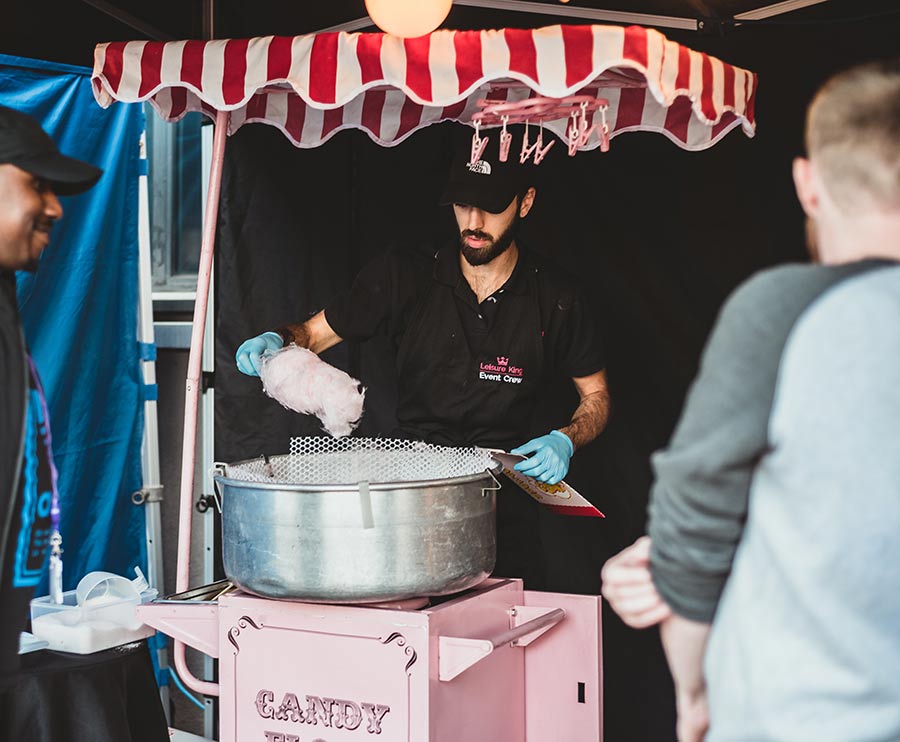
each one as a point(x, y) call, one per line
point(773, 513)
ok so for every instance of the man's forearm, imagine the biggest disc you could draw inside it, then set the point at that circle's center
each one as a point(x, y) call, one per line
point(684, 642)
point(296, 334)
point(315, 334)
point(589, 419)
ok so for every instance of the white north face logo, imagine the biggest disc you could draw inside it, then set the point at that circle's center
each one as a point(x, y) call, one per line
point(482, 167)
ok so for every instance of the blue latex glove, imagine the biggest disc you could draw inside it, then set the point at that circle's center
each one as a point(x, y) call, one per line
point(549, 460)
point(248, 355)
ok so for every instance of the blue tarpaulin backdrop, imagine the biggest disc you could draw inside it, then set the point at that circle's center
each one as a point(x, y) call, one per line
point(80, 316)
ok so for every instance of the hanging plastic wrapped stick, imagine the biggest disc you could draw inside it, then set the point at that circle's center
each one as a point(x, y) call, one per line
point(301, 381)
point(56, 569)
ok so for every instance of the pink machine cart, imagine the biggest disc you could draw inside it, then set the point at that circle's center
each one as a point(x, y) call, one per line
point(497, 663)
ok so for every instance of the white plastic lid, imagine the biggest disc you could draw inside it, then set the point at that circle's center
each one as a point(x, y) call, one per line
point(105, 587)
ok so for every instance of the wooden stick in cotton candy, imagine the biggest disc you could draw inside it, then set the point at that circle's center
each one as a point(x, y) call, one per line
point(303, 382)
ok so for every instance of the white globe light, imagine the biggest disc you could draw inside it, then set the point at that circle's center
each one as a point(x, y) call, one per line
point(408, 18)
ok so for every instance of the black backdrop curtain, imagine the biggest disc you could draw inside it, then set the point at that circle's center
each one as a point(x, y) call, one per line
point(660, 235)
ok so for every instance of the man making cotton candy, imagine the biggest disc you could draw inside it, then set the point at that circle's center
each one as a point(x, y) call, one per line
point(479, 328)
point(32, 173)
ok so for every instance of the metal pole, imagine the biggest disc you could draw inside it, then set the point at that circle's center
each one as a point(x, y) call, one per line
point(207, 414)
point(192, 390)
point(520, 6)
point(777, 9)
point(207, 444)
point(355, 25)
point(593, 14)
point(209, 19)
point(150, 496)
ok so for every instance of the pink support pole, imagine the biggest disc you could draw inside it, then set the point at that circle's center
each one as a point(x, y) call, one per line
point(192, 391)
point(189, 679)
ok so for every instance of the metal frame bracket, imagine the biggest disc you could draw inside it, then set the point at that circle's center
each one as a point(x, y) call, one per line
point(148, 494)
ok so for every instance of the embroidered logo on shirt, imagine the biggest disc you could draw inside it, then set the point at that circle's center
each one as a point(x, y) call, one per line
point(500, 370)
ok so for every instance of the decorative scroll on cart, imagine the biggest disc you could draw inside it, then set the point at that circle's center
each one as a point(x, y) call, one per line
point(584, 84)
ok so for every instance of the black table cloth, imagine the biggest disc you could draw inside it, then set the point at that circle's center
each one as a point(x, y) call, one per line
point(108, 696)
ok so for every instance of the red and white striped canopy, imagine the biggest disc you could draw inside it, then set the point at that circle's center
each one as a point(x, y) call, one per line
point(313, 86)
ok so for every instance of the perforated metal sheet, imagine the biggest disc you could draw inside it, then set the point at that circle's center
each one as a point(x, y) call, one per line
point(327, 460)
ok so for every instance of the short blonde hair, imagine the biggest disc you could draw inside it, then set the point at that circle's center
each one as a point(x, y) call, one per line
point(853, 135)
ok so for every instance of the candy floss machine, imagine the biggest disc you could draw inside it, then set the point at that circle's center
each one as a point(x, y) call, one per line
point(362, 608)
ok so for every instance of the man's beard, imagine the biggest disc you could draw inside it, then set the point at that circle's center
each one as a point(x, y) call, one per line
point(484, 255)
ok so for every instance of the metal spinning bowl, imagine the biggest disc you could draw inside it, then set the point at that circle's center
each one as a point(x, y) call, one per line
point(350, 520)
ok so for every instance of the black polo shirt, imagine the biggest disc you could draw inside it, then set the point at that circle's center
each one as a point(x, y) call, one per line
point(386, 292)
point(477, 318)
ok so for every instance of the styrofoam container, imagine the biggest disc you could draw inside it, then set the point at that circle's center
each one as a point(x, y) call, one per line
point(91, 627)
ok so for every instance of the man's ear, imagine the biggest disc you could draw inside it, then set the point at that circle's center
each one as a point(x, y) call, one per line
point(527, 201)
point(807, 186)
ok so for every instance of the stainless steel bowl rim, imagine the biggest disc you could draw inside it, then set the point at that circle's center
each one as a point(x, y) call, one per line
point(373, 486)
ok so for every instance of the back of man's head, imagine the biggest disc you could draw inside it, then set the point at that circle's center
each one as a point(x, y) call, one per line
point(853, 136)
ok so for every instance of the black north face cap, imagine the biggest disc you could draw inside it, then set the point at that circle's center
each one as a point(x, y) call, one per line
point(487, 184)
point(26, 145)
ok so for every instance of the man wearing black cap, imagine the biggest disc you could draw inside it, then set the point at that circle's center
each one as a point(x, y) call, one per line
point(32, 173)
point(478, 330)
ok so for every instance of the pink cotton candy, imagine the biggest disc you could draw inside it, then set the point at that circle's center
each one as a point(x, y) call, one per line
point(301, 381)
